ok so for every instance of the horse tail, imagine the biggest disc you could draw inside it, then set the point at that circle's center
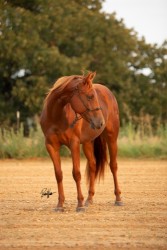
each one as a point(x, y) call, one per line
point(100, 153)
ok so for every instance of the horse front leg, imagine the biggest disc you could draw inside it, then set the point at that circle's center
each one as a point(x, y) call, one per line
point(75, 151)
point(53, 150)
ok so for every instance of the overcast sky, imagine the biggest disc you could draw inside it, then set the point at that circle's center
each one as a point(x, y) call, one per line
point(147, 17)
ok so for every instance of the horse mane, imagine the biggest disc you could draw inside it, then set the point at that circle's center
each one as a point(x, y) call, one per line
point(59, 86)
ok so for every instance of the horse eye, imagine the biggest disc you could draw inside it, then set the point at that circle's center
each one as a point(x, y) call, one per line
point(90, 97)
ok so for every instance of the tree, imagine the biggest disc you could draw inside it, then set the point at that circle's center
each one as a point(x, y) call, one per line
point(43, 40)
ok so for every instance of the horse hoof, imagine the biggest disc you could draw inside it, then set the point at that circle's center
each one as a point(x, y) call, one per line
point(59, 209)
point(80, 209)
point(119, 203)
point(88, 203)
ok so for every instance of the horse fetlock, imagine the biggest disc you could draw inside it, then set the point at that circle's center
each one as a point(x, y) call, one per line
point(80, 198)
point(117, 192)
point(88, 202)
point(91, 193)
point(80, 201)
point(61, 201)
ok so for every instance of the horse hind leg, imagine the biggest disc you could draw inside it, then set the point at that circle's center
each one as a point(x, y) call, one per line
point(112, 146)
point(91, 169)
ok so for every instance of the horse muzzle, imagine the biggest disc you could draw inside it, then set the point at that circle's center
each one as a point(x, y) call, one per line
point(97, 124)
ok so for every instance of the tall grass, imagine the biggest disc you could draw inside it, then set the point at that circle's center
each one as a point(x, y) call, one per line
point(15, 145)
point(133, 142)
point(142, 142)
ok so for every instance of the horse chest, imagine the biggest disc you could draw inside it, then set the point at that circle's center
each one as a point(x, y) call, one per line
point(63, 136)
point(89, 134)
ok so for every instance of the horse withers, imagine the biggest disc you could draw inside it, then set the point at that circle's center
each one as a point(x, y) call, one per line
point(75, 112)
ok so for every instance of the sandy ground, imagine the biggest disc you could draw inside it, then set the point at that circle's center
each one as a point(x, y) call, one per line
point(30, 222)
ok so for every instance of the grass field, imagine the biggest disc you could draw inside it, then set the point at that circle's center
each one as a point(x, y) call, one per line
point(142, 142)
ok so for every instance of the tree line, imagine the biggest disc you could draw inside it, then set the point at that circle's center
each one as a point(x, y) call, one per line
point(41, 41)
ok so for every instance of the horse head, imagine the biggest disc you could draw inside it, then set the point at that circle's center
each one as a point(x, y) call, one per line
point(84, 101)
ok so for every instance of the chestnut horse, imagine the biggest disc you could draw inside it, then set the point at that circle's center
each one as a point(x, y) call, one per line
point(75, 112)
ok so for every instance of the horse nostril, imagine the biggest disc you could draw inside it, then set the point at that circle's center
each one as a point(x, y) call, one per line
point(100, 125)
point(97, 124)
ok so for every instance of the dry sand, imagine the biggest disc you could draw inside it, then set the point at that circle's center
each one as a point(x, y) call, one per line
point(30, 222)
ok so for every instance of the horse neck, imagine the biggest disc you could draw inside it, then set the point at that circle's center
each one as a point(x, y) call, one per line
point(56, 102)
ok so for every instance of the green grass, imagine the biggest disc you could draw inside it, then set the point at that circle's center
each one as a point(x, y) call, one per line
point(132, 143)
point(142, 143)
point(15, 145)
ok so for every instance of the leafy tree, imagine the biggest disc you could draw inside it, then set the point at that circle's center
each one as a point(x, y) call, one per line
point(43, 40)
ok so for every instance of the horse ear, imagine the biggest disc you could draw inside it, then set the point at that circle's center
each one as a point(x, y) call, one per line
point(89, 78)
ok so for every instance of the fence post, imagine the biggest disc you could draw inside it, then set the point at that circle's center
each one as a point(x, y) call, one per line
point(18, 119)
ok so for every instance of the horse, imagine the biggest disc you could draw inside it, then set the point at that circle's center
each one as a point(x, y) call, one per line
point(77, 111)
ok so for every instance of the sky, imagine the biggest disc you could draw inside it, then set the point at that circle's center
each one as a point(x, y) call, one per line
point(147, 17)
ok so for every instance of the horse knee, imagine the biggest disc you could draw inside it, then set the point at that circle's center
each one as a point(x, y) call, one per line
point(76, 175)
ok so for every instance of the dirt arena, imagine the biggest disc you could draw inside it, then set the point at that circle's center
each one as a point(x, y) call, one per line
point(30, 222)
